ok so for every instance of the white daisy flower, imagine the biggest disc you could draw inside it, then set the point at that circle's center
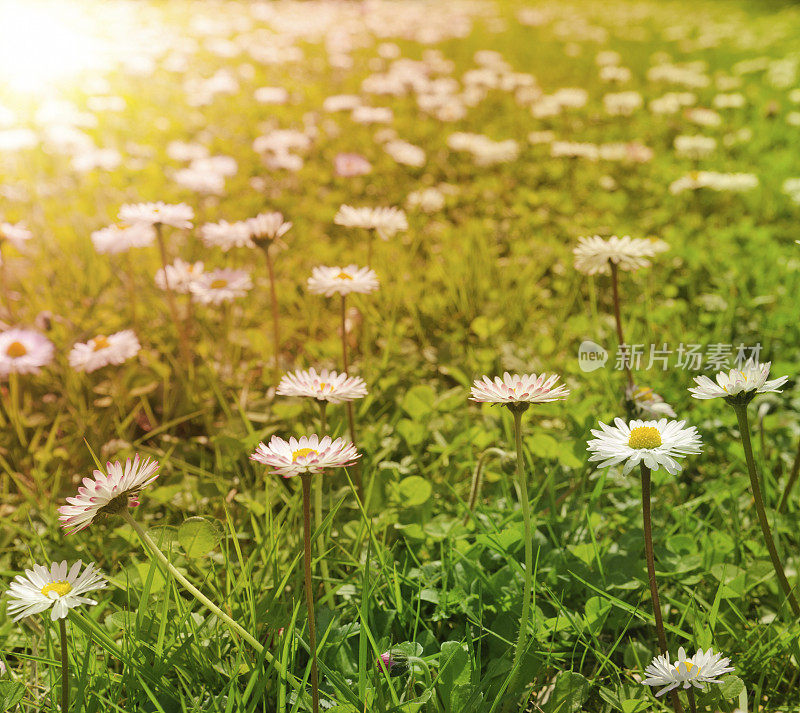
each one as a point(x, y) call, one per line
point(655, 443)
point(386, 222)
point(24, 351)
point(592, 254)
point(330, 281)
point(109, 493)
point(647, 402)
point(177, 215)
point(180, 276)
point(101, 351)
point(518, 391)
point(119, 238)
point(703, 667)
point(226, 235)
point(58, 588)
point(308, 454)
point(218, 286)
point(268, 227)
point(738, 385)
point(326, 386)
point(15, 233)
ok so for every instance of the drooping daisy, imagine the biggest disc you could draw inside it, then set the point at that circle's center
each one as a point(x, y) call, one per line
point(655, 443)
point(518, 390)
point(738, 386)
point(115, 239)
point(109, 493)
point(24, 351)
point(58, 588)
point(180, 276)
point(218, 286)
point(593, 254)
point(308, 454)
point(703, 667)
point(326, 386)
point(330, 281)
point(386, 222)
point(101, 351)
point(177, 215)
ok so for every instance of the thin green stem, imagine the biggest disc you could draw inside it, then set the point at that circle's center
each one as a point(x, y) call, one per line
point(154, 550)
point(477, 480)
point(758, 498)
point(618, 321)
point(276, 330)
point(183, 345)
point(62, 626)
point(692, 701)
point(651, 573)
point(522, 638)
point(793, 475)
point(312, 628)
point(351, 419)
point(318, 493)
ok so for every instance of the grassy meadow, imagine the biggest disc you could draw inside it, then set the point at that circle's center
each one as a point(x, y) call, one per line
point(667, 120)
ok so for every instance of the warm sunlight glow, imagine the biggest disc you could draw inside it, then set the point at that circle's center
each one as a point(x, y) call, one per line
point(44, 43)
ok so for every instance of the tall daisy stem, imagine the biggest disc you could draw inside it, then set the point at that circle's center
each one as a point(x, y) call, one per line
point(276, 329)
point(651, 573)
point(312, 628)
point(522, 638)
point(793, 475)
point(758, 498)
point(618, 317)
point(692, 701)
point(477, 480)
point(62, 626)
point(318, 487)
point(172, 304)
point(153, 548)
point(351, 420)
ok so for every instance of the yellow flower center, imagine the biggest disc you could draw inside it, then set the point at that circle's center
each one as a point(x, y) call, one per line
point(302, 453)
point(219, 284)
point(344, 276)
point(60, 588)
point(643, 393)
point(16, 350)
point(689, 666)
point(100, 342)
point(644, 437)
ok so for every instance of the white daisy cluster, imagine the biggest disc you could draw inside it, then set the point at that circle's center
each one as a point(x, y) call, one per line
point(733, 182)
point(484, 150)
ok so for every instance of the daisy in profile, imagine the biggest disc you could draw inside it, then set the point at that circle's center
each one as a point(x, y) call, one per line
point(517, 392)
point(225, 235)
point(115, 239)
point(595, 255)
point(386, 222)
point(343, 281)
point(177, 215)
point(704, 667)
point(656, 444)
point(218, 286)
point(101, 351)
point(179, 276)
point(24, 351)
point(327, 386)
point(58, 588)
point(109, 493)
point(305, 456)
point(738, 385)
point(267, 229)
